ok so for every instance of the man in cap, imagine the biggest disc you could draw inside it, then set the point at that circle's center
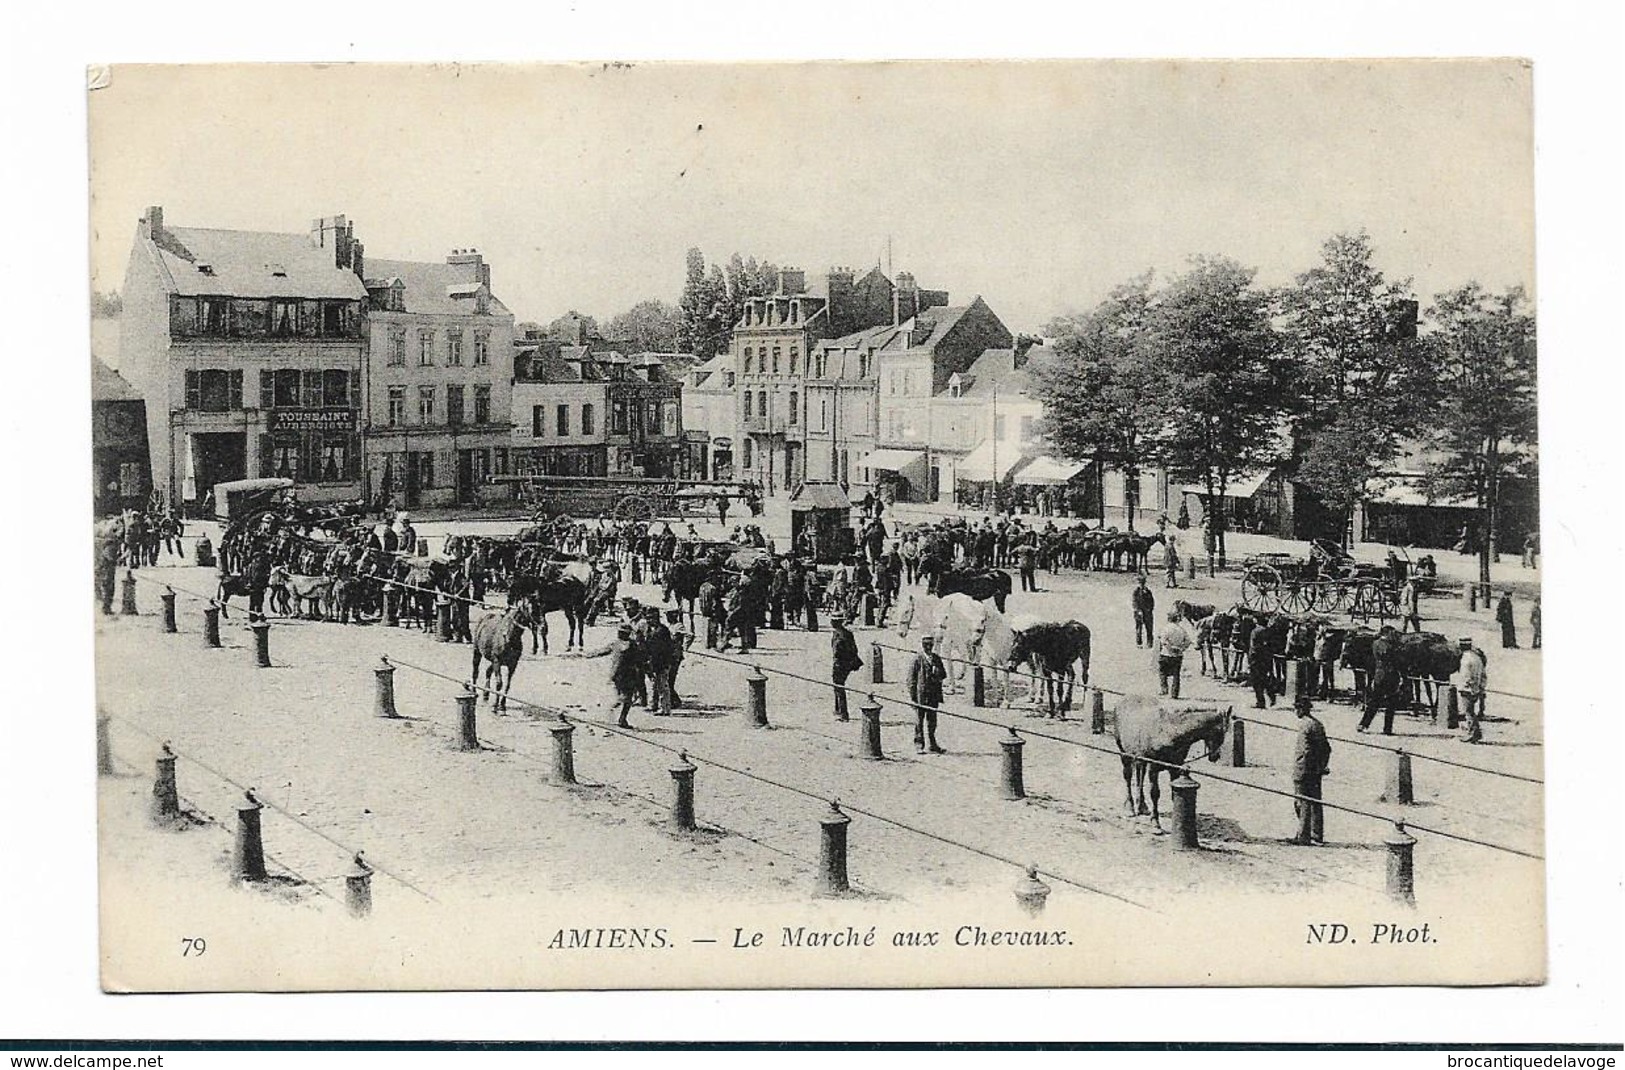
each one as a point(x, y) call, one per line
point(925, 676)
point(625, 672)
point(1382, 690)
point(844, 661)
point(1472, 680)
point(1171, 647)
point(657, 661)
point(1309, 764)
point(1145, 607)
point(1504, 617)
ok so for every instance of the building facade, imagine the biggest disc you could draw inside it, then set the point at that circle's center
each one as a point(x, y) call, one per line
point(582, 410)
point(438, 382)
point(120, 456)
point(247, 347)
point(710, 424)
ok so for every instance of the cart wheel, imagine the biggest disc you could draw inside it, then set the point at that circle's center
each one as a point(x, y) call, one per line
point(633, 507)
point(1332, 596)
point(1297, 597)
point(1261, 589)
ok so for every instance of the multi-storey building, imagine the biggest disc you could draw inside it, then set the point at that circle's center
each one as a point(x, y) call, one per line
point(247, 347)
point(710, 418)
point(582, 410)
point(439, 381)
point(118, 442)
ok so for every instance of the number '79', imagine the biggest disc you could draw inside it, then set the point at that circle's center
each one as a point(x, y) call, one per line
point(192, 946)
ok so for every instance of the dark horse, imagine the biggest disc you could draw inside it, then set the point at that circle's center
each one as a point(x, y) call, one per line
point(566, 593)
point(252, 582)
point(500, 639)
point(981, 585)
point(1153, 735)
point(1052, 650)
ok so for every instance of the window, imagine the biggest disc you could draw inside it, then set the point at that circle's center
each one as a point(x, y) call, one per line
point(482, 348)
point(651, 418)
point(761, 405)
point(425, 404)
point(561, 420)
point(214, 390)
point(335, 460)
point(747, 404)
point(775, 360)
point(617, 415)
point(285, 457)
point(338, 318)
point(748, 353)
point(536, 428)
point(891, 381)
point(397, 406)
point(795, 357)
point(336, 388)
point(587, 419)
point(397, 349)
point(183, 317)
point(454, 349)
point(863, 365)
point(670, 418)
point(250, 319)
point(794, 398)
point(499, 461)
point(213, 314)
point(425, 349)
point(747, 453)
point(482, 404)
point(284, 318)
point(425, 461)
point(454, 405)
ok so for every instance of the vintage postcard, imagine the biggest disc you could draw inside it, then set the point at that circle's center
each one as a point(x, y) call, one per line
point(626, 526)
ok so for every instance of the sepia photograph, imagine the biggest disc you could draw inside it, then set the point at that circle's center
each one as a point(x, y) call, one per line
point(818, 525)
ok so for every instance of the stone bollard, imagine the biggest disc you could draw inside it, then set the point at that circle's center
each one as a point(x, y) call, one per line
point(1452, 707)
point(1401, 865)
point(1097, 711)
point(1399, 789)
point(1031, 893)
point(877, 663)
point(468, 737)
point(262, 643)
point(211, 625)
point(166, 798)
point(682, 802)
point(564, 755)
point(1010, 783)
point(1237, 742)
point(1184, 788)
point(756, 697)
point(104, 746)
point(442, 619)
point(248, 854)
point(127, 607)
point(832, 879)
point(391, 607)
point(871, 729)
point(168, 599)
point(358, 887)
point(384, 695)
point(978, 686)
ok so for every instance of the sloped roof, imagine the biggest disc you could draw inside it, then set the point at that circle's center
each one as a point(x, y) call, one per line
point(994, 368)
point(819, 496)
point(242, 264)
point(108, 385)
point(434, 289)
point(700, 374)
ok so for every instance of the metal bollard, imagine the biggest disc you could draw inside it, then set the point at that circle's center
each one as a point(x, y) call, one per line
point(832, 879)
point(211, 625)
point(391, 607)
point(168, 599)
point(1237, 741)
point(127, 608)
point(166, 799)
point(1399, 789)
point(682, 803)
point(756, 697)
point(442, 619)
point(384, 696)
point(1097, 711)
point(877, 663)
point(1031, 892)
point(564, 755)
point(104, 747)
point(978, 686)
point(468, 737)
point(1401, 865)
point(248, 853)
point(262, 643)
point(871, 729)
point(1452, 707)
point(358, 888)
point(1010, 784)
point(1184, 788)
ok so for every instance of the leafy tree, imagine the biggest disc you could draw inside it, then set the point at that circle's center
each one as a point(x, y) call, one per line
point(1366, 381)
point(1487, 426)
point(649, 326)
point(1227, 378)
point(1104, 393)
point(714, 299)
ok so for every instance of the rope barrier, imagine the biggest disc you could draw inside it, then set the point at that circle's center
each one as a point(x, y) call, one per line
point(313, 885)
point(1397, 750)
point(805, 792)
point(271, 805)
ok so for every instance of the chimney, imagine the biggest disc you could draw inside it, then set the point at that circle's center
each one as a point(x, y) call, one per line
point(358, 260)
point(154, 220)
point(896, 307)
point(792, 281)
point(471, 266)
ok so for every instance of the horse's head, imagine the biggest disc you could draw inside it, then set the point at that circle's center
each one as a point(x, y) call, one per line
point(1020, 649)
point(1214, 736)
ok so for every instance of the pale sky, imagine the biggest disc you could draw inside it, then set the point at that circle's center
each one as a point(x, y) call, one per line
point(1037, 185)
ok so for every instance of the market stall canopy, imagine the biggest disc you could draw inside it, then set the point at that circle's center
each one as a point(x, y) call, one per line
point(1414, 492)
point(819, 496)
point(978, 466)
point(1244, 485)
point(888, 460)
point(1047, 470)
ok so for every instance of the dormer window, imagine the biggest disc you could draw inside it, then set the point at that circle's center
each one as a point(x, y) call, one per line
point(277, 271)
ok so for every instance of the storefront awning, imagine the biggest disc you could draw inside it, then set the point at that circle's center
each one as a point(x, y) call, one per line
point(1048, 471)
point(978, 466)
point(1413, 492)
point(1239, 486)
point(891, 460)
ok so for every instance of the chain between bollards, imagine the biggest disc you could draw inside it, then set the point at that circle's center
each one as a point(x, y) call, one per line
point(1236, 742)
point(211, 625)
point(564, 759)
point(877, 663)
point(127, 606)
point(1097, 711)
point(262, 643)
point(870, 711)
point(1401, 865)
point(1400, 789)
point(384, 699)
point(1032, 893)
point(978, 686)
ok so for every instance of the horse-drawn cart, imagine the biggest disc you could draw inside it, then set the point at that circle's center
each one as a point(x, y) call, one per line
point(1328, 580)
point(619, 497)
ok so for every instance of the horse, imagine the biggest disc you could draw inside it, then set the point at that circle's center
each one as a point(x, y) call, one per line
point(296, 589)
point(252, 582)
point(992, 584)
point(1056, 652)
point(499, 638)
point(1153, 735)
point(567, 594)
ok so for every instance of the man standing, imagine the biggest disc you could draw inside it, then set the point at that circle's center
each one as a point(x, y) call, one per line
point(1472, 680)
point(1410, 608)
point(722, 511)
point(1260, 667)
point(625, 672)
point(1383, 687)
point(844, 661)
point(1509, 627)
point(1534, 622)
point(1170, 559)
point(1145, 605)
point(680, 638)
point(657, 659)
point(925, 678)
point(1027, 564)
point(1171, 647)
point(1309, 765)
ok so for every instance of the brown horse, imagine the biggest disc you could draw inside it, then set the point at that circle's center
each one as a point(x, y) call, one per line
point(1153, 735)
point(499, 638)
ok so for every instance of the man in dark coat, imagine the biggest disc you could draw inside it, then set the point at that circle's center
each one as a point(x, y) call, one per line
point(1145, 607)
point(1309, 764)
point(1504, 617)
point(1384, 686)
point(710, 606)
point(844, 661)
point(925, 676)
point(1260, 668)
point(625, 672)
point(657, 662)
